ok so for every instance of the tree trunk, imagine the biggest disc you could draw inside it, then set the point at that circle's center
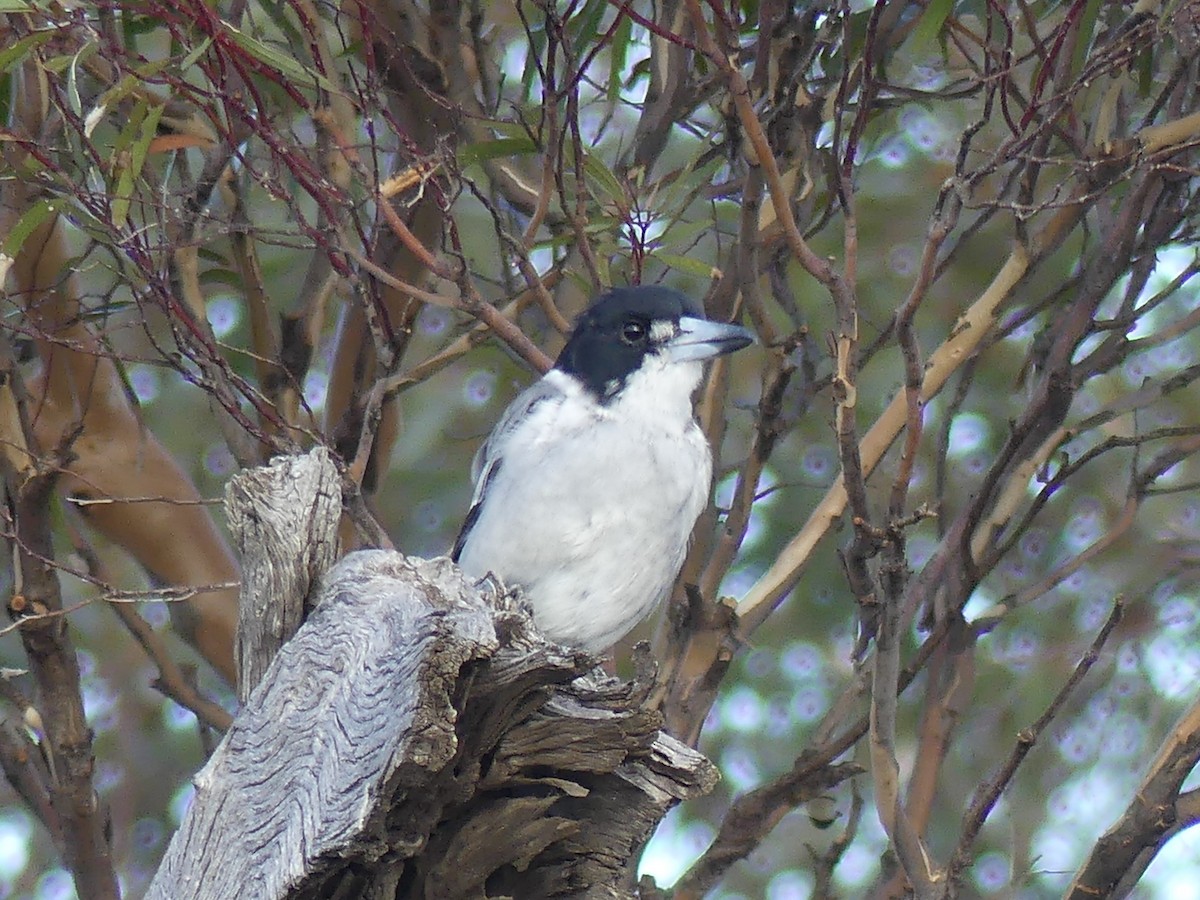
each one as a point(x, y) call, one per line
point(417, 738)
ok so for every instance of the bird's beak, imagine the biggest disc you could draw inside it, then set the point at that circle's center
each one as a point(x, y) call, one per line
point(703, 339)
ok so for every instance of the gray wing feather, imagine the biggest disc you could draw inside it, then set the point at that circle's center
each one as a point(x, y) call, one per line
point(488, 458)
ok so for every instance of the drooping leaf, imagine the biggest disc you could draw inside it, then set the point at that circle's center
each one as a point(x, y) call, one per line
point(688, 264)
point(683, 235)
point(494, 149)
point(618, 54)
point(285, 65)
point(121, 187)
point(130, 173)
point(600, 225)
point(1086, 34)
point(194, 55)
point(933, 18)
point(130, 85)
point(584, 25)
point(38, 213)
point(604, 179)
point(14, 54)
point(73, 78)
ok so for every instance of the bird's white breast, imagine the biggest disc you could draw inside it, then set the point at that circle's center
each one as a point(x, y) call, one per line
point(592, 506)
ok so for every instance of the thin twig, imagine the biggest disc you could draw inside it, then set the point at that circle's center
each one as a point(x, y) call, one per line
point(989, 793)
point(171, 681)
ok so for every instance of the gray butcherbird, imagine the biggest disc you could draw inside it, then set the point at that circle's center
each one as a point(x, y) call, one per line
point(587, 489)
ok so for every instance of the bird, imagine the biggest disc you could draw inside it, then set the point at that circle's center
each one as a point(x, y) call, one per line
point(588, 488)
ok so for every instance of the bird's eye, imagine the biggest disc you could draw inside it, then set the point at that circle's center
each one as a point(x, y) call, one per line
point(633, 332)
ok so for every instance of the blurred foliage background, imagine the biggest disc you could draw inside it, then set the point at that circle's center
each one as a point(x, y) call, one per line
point(590, 142)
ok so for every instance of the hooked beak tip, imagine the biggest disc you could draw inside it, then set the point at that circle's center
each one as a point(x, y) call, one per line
point(700, 339)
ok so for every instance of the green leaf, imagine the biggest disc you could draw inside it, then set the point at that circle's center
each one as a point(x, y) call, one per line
point(618, 54)
point(198, 51)
point(493, 149)
point(1086, 33)
point(14, 6)
point(585, 23)
point(30, 220)
point(57, 64)
point(148, 133)
point(687, 264)
point(221, 277)
point(536, 47)
point(134, 26)
point(507, 129)
point(603, 269)
point(147, 128)
point(605, 179)
point(683, 234)
point(930, 26)
point(1143, 64)
point(681, 191)
point(121, 189)
point(87, 50)
point(282, 63)
point(278, 15)
point(11, 55)
point(567, 238)
point(129, 84)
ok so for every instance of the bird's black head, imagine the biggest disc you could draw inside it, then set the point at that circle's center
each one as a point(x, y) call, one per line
point(625, 325)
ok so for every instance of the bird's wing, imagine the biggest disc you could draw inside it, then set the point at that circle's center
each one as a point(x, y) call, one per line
point(476, 508)
point(490, 455)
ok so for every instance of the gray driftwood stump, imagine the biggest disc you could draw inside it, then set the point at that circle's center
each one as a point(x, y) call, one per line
point(417, 738)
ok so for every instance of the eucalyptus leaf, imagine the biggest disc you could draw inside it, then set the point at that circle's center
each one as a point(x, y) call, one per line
point(37, 213)
point(495, 149)
point(285, 65)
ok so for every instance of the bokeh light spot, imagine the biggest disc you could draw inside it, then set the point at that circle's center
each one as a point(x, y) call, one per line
point(1124, 737)
point(790, 885)
point(894, 154)
point(1173, 663)
point(433, 320)
point(177, 718)
point(858, 865)
point(1178, 613)
point(674, 847)
point(180, 801)
point(145, 382)
point(991, 872)
point(801, 661)
point(219, 461)
point(147, 834)
point(1078, 743)
point(819, 464)
point(740, 768)
point(968, 433)
point(479, 387)
point(155, 613)
point(1033, 543)
point(808, 704)
point(429, 516)
point(56, 884)
point(316, 387)
point(224, 314)
point(742, 709)
point(902, 259)
point(16, 829)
